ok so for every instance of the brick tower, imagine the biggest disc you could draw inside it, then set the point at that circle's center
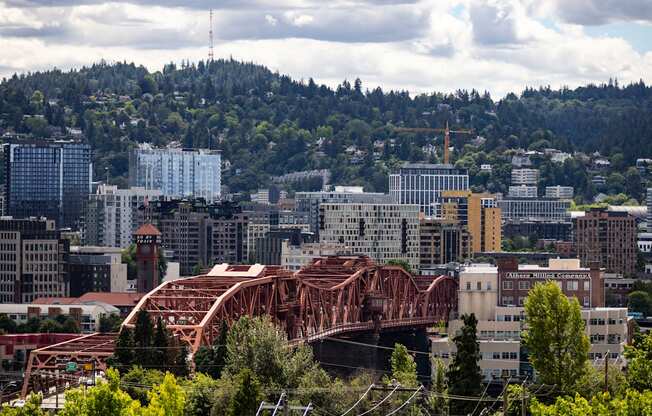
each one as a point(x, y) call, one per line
point(148, 239)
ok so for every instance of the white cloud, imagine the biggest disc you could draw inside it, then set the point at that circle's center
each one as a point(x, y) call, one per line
point(419, 46)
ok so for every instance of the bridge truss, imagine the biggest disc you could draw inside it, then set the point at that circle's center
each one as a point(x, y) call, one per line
point(331, 296)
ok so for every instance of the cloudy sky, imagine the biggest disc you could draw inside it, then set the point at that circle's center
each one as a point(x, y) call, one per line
point(418, 45)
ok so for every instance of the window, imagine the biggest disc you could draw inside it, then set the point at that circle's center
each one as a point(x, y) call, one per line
point(488, 285)
point(572, 285)
point(468, 285)
point(496, 356)
point(587, 285)
point(508, 300)
point(507, 285)
point(586, 301)
point(524, 285)
point(521, 300)
point(479, 286)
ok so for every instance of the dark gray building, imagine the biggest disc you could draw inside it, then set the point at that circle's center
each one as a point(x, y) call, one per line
point(48, 179)
point(269, 248)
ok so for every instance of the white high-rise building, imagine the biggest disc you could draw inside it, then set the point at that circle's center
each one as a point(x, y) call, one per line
point(422, 184)
point(177, 173)
point(111, 215)
point(525, 176)
point(522, 191)
point(383, 232)
point(559, 192)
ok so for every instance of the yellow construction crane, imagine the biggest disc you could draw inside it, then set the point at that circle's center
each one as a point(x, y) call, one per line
point(446, 132)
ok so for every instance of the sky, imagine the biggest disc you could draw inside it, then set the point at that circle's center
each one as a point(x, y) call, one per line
point(498, 46)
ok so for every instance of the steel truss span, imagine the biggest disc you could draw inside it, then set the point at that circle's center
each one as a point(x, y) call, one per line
point(331, 296)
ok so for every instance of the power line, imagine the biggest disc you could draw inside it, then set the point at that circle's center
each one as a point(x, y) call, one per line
point(406, 402)
point(359, 400)
point(382, 401)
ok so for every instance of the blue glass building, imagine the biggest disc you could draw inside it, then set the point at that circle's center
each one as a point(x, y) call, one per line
point(48, 178)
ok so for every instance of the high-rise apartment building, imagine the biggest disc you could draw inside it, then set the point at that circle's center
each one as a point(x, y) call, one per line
point(479, 213)
point(422, 184)
point(525, 176)
point(177, 173)
point(48, 179)
point(381, 231)
point(606, 238)
point(309, 202)
point(112, 215)
point(442, 241)
point(184, 228)
point(33, 260)
point(229, 231)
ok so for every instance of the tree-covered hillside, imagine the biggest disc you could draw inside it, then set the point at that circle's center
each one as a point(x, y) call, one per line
point(267, 124)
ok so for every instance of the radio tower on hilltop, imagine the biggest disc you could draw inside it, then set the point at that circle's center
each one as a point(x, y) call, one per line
point(210, 37)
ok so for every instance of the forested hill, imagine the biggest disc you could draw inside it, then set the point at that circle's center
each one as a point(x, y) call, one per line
point(268, 124)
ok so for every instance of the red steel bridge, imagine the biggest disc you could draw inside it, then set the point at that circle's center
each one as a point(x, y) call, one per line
point(330, 297)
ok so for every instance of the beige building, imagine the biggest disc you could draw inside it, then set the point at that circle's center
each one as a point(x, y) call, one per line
point(479, 213)
point(32, 260)
point(381, 231)
point(499, 327)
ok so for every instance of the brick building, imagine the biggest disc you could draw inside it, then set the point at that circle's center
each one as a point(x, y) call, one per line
point(515, 281)
point(607, 238)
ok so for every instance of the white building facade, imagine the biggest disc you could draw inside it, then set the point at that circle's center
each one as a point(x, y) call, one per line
point(525, 176)
point(111, 215)
point(522, 191)
point(382, 231)
point(559, 192)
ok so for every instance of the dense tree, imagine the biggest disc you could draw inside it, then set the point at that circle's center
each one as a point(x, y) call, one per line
point(104, 399)
point(437, 402)
point(222, 104)
point(464, 376)
point(639, 362)
point(640, 301)
point(143, 337)
point(557, 345)
point(124, 356)
point(634, 403)
point(257, 344)
point(110, 323)
point(248, 394)
point(167, 398)
point(211, 360)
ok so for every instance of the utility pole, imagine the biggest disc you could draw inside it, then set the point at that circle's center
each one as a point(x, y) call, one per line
point(505, 394)
point(523, 413)
point(606, 372)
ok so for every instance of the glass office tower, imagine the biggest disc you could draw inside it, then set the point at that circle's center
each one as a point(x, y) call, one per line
point(48, 178)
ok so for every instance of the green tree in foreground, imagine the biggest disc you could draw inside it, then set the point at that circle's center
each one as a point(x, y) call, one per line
point(247, 396)
point(555, 338)
point(464, 376)
point(32, 407)
point(166, 399)
point(438, 405)
point(634, 403)
point(639, 362)
point(104, 399)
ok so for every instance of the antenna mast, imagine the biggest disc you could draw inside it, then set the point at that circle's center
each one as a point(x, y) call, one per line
point(210, 37)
